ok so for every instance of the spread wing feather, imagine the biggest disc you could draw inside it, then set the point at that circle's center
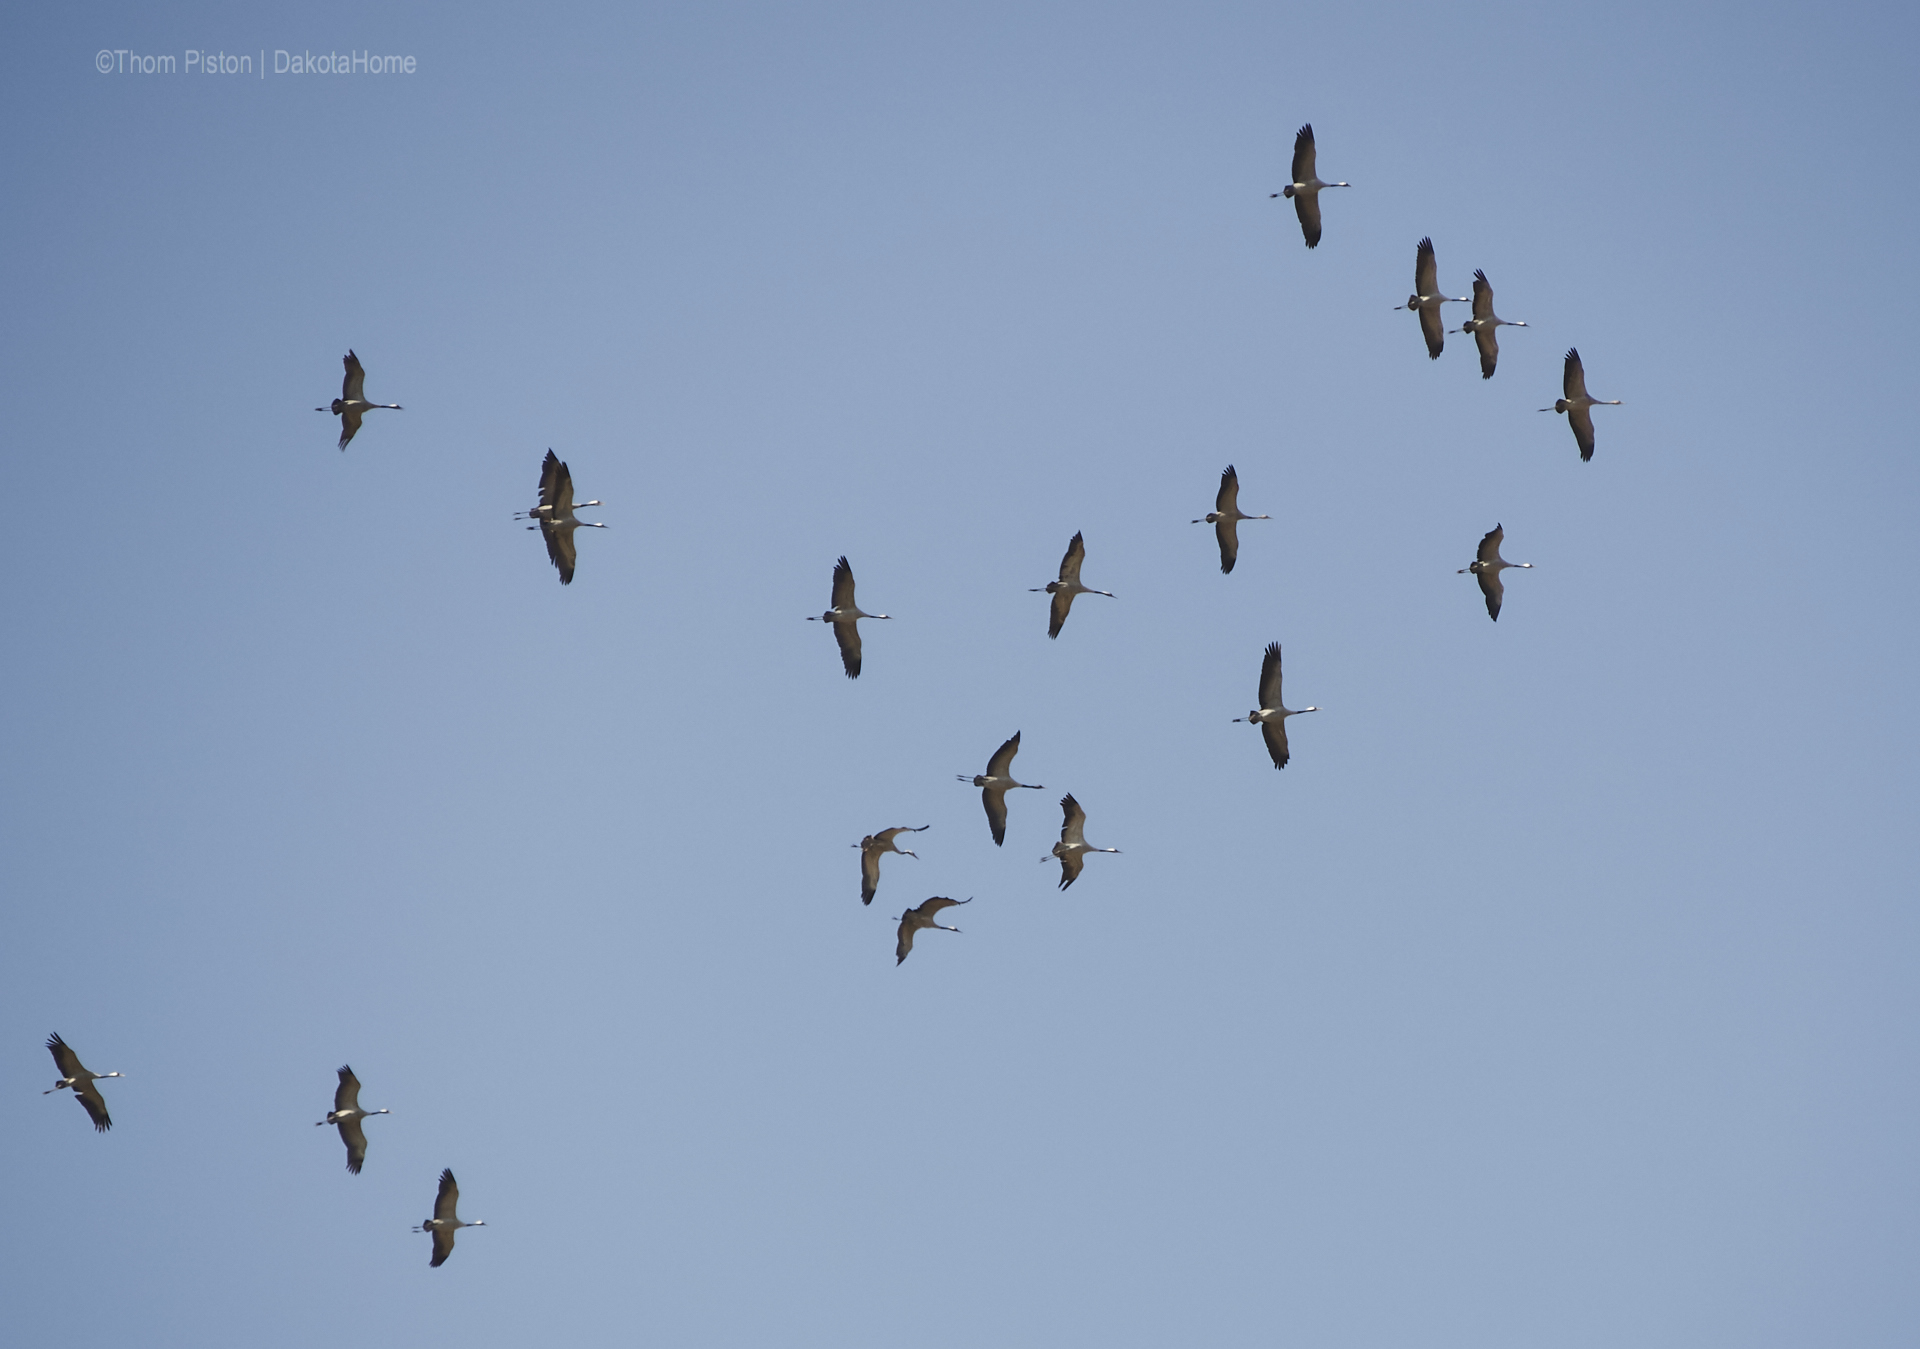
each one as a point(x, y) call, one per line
point(848, 635)
point(1057, 613)
point(1270, 677)
point(996, 804)
point(1275, 734)
point(1303, 154)
point(356, 1141)
point(842, 585)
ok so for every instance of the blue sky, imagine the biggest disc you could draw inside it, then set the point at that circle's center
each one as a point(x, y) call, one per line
point(1559, 992)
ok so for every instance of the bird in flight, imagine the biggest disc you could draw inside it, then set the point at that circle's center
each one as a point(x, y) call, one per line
point(554, 517)
point(1427, 299)
point(1486, 568)
point(995, 783)
point(921, 915)
point(75, 1077)
point(446, 1219)
point(352, 403)
point(872, 846)
point(1483, 323)
point(1577, 405)
point(1225, 517)
point(1064, 589)
point(1072, 849)
point(1306, 186)
point(1271, 716)
point(346, 1115)
point(844, 618)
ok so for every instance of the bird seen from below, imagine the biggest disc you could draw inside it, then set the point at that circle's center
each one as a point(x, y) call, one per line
point(346, 1115)
point(1072, 849)
point(1427, 299)
point(1576, 404)
point(554, 517)
point(1487, 566)
point(446, 1219)
point(870, 849)
point(921, 915)
point(844, 618)
point(352, 403)
point(1064, 589)
point(1484, 322)
point(75, 1077)
point(1271, 716)
point(1225, 518)
point(1306, 186)
point(995, 783)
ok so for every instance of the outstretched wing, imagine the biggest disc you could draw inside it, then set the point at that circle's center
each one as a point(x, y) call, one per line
point(349, 425)
point(353, 387)
point(1071, 865)
point(446, 1203)
point(1494, 589)
point(1489, 345)
point(869, 873)
point(356, 1141)
point(1275, 734)
point(89, 1096)
point(1482, 296)
point(1227, 499)
point(903, 947)
point(996, 804)
point(1303, 156)
point(550, 470)
point(442, 1246)
point(1489, 550)
point(560, 549)
point(1073, 826)
point(64, 1058)
point(1426, 272)
point(1070, 564)
point(346, 1096)
point(1057, 615)
point(1270, 677)
point(1434, 329)
point(1581, 420)
point(1002, 761)
point(1573, 380)
point(1227, 531)
point(842, 585)
point(928, 908)
point(848, 635)
point(1306, 205)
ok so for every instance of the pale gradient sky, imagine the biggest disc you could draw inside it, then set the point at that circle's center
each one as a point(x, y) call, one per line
point(1560, 993)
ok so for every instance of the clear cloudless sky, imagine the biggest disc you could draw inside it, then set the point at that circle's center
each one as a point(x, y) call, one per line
point(1561, 991)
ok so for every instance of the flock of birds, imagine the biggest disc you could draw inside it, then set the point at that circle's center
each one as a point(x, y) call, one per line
point(553, 515)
